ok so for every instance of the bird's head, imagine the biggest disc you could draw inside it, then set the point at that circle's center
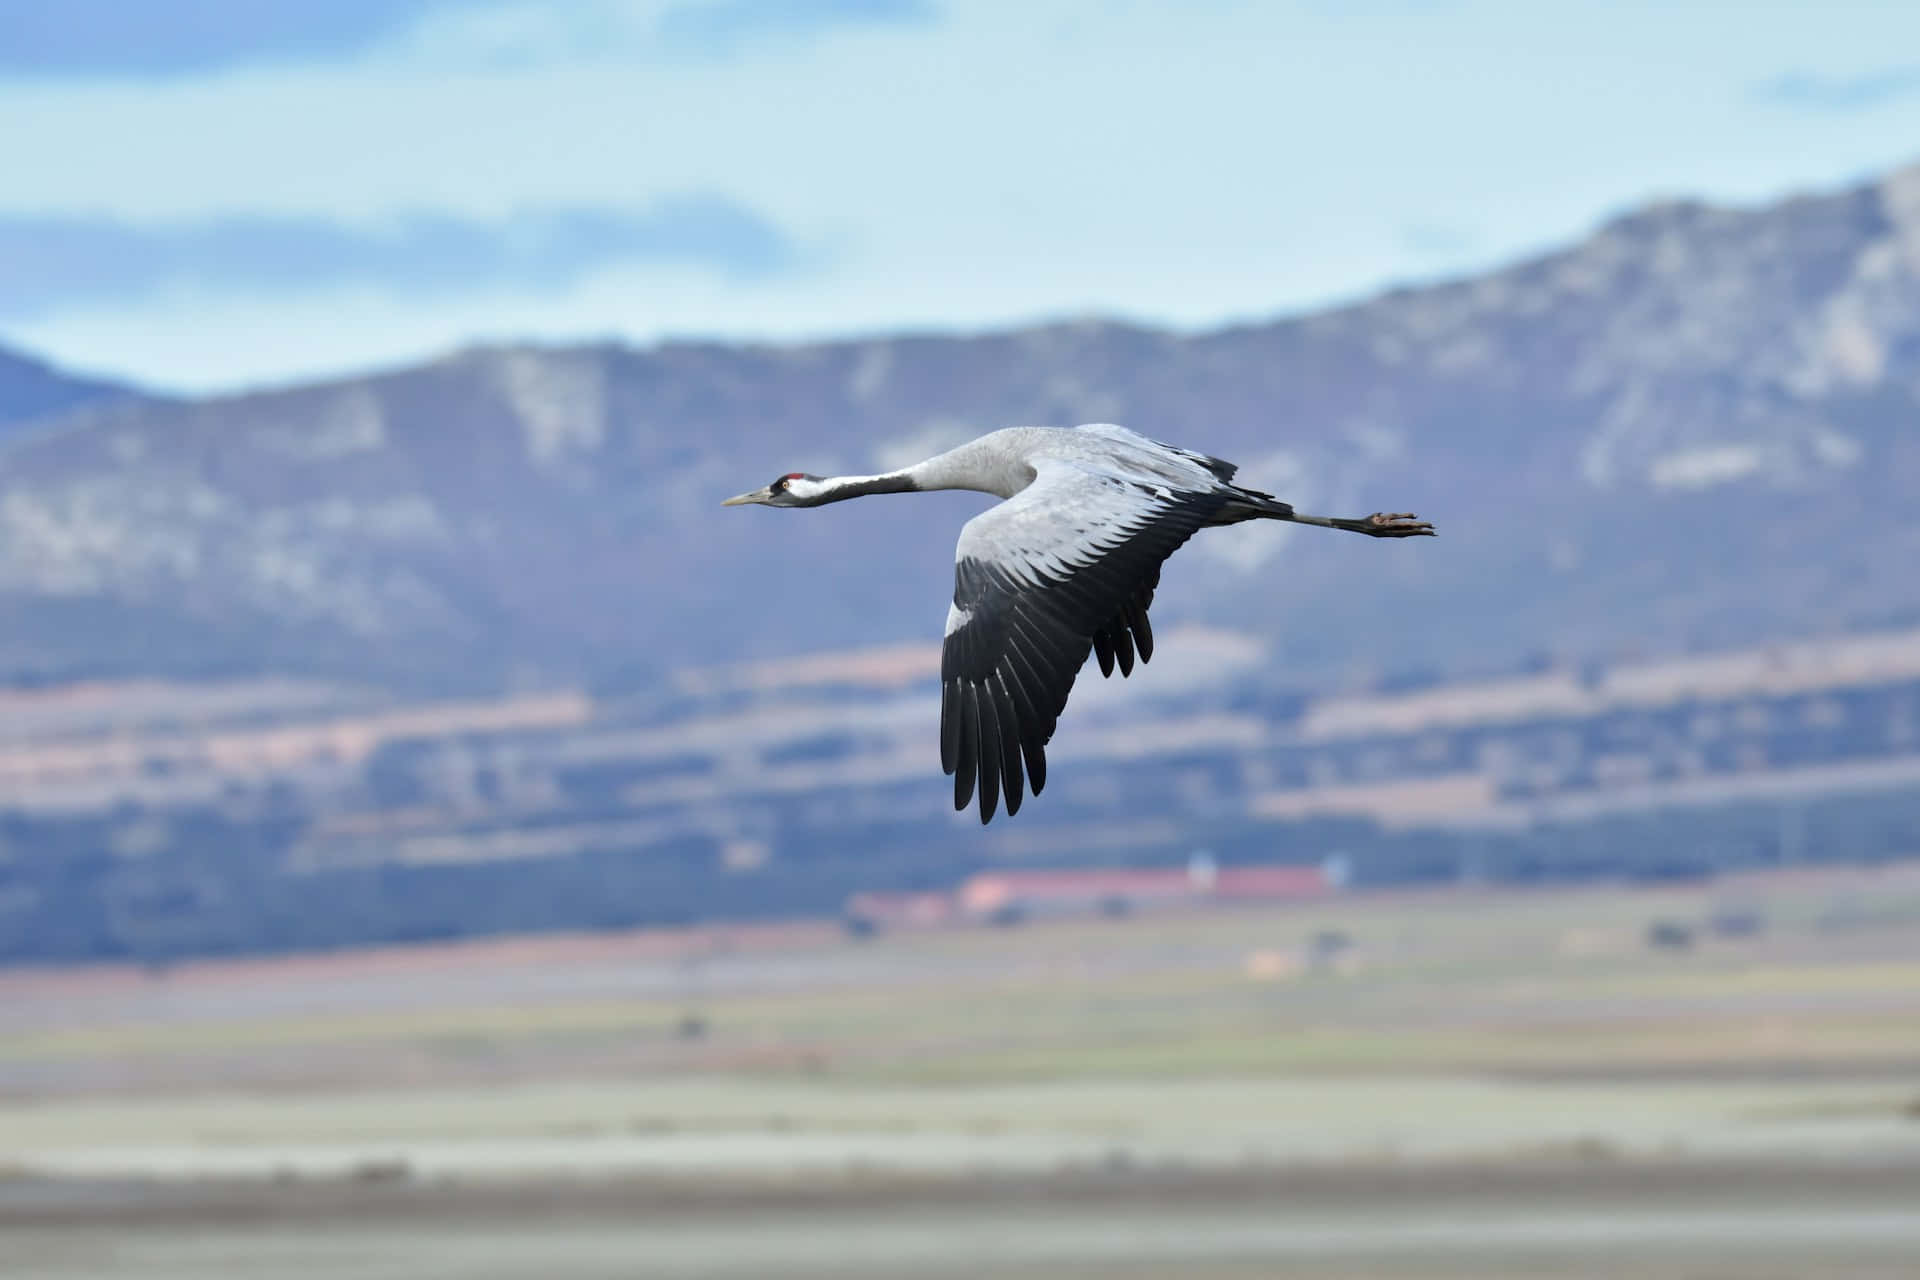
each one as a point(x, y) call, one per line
point(795, 489)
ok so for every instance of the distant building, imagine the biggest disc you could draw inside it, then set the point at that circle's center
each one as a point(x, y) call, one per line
point(1008, 897)
point(1118, 890)
point(868, 913)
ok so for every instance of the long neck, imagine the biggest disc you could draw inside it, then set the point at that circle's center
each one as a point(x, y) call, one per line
point(960, 468)
point(840, 488)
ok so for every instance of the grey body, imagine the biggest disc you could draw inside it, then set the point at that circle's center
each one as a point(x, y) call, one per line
point(1065, 566)
point(1005, 462)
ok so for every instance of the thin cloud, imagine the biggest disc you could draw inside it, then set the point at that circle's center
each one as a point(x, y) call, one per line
point(50, 39)
point(57, 38)
point(1841, 93)
point(51, 262)
point(722, 28)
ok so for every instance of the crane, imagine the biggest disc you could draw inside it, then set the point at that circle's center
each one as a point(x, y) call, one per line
point(1066, 564)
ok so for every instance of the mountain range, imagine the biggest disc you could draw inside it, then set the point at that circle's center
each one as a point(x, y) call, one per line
point(1697, 427)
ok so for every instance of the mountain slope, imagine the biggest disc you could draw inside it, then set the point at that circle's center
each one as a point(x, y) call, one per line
point(1693, 428)
point(31, 388)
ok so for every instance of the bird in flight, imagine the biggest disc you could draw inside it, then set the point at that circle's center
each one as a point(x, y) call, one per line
point(1067, 564)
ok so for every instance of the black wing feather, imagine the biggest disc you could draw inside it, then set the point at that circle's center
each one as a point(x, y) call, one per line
point(1103, 649)
point(966, 760)
point(1127, 632)
point(1123, 648)
point(989, 730)
point(1141, 628)
point(1010, 746)
point(949, 726)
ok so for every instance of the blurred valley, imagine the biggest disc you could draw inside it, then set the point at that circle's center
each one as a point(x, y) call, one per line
point(470, 647)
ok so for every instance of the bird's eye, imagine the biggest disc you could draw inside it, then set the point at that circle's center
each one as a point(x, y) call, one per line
point(780, 485)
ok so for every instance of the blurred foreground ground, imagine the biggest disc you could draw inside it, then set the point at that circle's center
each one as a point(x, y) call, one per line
point(1462, 1083)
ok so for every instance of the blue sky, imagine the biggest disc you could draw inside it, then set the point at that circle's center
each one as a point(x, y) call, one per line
point(204, 194)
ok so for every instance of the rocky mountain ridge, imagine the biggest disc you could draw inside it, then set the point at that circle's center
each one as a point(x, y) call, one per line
point(1695, 428)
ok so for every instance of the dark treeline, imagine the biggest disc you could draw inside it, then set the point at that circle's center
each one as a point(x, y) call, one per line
point(216, 888)
point(268, 866)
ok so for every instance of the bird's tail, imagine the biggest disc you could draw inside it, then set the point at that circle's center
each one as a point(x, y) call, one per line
point(1252, 504)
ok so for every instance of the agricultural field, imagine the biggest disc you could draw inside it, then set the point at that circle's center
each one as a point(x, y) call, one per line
point(1717, 1079)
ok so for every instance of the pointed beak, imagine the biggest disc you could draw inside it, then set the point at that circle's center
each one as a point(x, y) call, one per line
point(758, 495)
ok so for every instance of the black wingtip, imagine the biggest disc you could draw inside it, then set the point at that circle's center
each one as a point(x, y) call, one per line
point(1011, 775)
point(987, 743)
point(966, 753)
point(1142, 631)
point(949, 729)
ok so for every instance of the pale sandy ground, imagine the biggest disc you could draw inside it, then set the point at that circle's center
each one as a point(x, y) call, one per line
point(780, 1127)
point(1700, 1222)
point(1498, 1085)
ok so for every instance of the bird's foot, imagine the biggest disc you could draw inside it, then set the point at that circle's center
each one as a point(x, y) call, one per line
point(1398, 524)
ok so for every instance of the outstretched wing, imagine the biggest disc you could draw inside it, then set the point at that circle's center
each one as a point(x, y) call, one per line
point(1067, 563)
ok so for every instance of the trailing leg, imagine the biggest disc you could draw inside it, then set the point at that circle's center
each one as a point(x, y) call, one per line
point(1399, 524)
